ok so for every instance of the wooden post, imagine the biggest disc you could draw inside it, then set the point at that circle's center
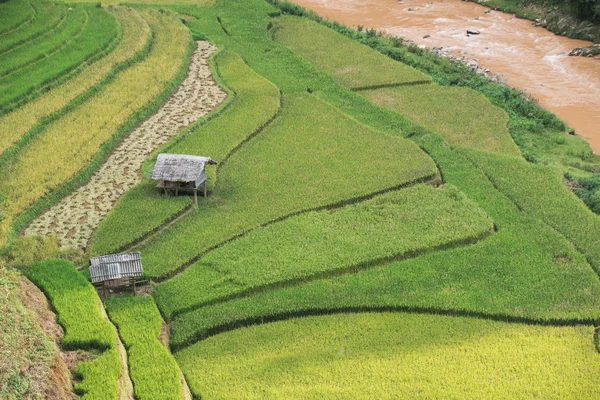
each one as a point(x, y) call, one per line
point(205, 189)
point(134, 292)
point(164, 187)
point(196, 196)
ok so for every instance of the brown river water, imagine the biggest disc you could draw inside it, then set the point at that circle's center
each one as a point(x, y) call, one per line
point(529, 58)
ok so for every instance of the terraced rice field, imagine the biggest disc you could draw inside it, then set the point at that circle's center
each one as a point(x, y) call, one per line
point(370, 231)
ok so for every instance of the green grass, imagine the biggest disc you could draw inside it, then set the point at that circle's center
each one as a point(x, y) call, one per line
point(153, 369)
point(48, 16)
point(311, 156)
point(78, 308)
point(13, 14)
point(541, 192)
point(391, 355)
point(332, 52)
point(540, 135)
point(140, 211)
point(395, 225)
point(79, 141)
point(45, 46)
point(96, 37)
point(26, 353)
point(511, 276)
point(459, 115)
point(143, 210)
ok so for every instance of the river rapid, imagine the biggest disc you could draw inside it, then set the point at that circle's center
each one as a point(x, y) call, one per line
point(529, 58)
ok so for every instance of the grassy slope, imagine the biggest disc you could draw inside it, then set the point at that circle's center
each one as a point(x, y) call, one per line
point(255, 101)
point(77, 305)
point(57, 154)
point(97, 35)
point(48, 16)
point(395, 225)
point(311, 156)
point(541, 192)
point(459, 115)
point(394, 355)
point(367, 69)
point(26, 353)
point(293, 75)
point(154, 372)
point(14, 14)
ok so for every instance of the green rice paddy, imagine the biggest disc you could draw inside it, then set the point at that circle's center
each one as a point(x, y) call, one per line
point(379, 224)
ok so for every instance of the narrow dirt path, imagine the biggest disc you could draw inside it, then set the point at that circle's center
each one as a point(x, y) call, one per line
point(75, 217)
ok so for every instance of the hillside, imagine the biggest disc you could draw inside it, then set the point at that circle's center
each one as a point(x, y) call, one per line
point(380, 222)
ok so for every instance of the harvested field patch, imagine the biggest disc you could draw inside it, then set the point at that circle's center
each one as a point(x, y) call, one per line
point(75, 217)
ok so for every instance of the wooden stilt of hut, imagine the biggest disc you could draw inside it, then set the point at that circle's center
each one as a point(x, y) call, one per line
point(181, 172)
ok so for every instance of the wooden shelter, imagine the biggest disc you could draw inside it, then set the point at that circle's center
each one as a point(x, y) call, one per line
point(116, 270)
point(181, 172)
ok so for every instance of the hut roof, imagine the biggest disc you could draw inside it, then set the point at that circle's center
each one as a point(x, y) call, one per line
point(179, 167)
point(115, 266)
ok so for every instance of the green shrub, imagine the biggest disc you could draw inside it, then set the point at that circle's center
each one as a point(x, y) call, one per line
point(396, 225)
point(153, 370)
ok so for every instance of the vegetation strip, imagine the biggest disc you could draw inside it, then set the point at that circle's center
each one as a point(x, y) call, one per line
point(331, 51)
point(49, 16)
point(27, 121)
point(326, 147)
point(99, 35)
point(26, 353)
point(127, 100)
point(43, 47)
point(153, 369)
point(74, 218)
point(510, 276)
point(359, 236)
point(406, 355)
point(14, 15)
point(76, 303)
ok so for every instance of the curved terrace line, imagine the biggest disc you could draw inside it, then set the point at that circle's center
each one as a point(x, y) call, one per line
point(266, 319)
point(38, 35)
point(52, 52)
point(376, 262)
point(76, 216)
point(25, 22)
point(332, 206)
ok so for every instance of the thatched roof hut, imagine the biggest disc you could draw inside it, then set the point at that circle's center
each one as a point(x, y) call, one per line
point(179, 167)
point(181, 171)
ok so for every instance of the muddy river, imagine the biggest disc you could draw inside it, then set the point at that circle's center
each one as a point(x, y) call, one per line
point(531, 59)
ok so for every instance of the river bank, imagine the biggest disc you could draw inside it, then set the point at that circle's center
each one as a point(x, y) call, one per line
point(530, 59)
point(557, 18)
